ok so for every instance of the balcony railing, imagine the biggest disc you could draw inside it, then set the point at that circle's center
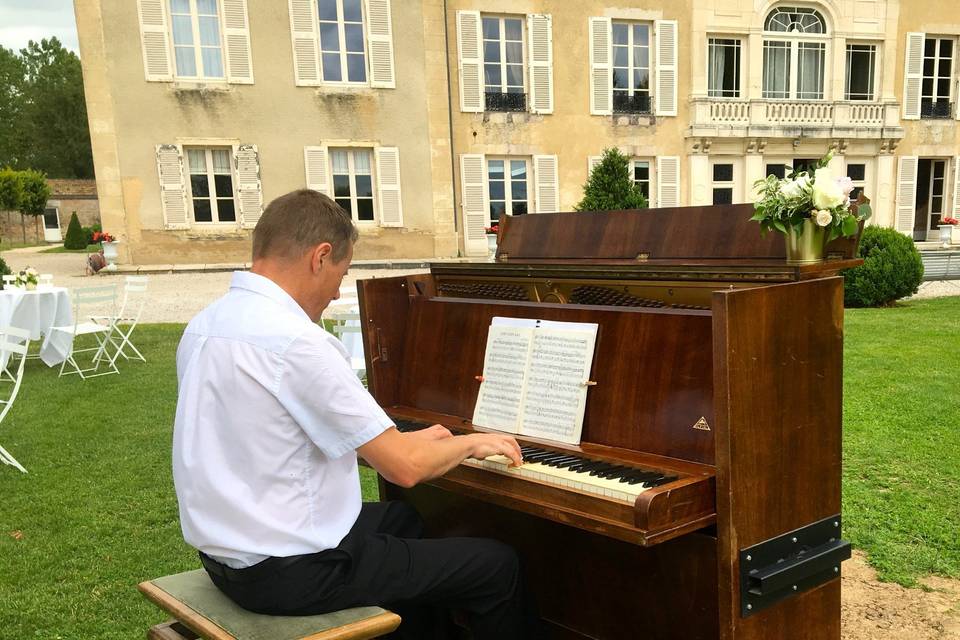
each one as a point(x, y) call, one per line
point(637, 103)
point(496, 101)
point(936, 109)
point(856, 119)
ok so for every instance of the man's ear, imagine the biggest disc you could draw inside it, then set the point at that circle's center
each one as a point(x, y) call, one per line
point(321, 253)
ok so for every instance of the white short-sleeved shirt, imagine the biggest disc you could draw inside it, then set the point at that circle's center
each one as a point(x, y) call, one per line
point(269, 414)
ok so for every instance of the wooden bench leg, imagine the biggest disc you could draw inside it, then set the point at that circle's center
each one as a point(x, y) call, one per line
point(171, 630)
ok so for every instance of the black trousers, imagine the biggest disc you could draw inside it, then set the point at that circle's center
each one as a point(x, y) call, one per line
point(385, 561)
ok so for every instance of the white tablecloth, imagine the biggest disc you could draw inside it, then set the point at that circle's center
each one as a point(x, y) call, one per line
point(36, 311)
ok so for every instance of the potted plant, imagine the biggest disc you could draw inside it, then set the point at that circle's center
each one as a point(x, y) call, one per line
point(27, 279)
point(947, 226)
point(492, 238)
point(109, 244)
point(810, 210)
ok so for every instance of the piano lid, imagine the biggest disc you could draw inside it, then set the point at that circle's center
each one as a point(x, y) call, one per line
point(681, 235)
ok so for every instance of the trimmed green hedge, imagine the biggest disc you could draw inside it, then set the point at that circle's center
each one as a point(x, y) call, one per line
point(891, 269)
point(76, 238)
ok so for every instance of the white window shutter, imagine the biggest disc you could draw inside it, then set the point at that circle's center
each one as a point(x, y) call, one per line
point(155, 38)
point(303, 32)
point(956, 187)
point(380, 44)
point(470, 56)
point(236, 41)
point(473, 183)
point(388, 186)
point(668, 181)
point(548, 184)
point(540, 30)
point(592, 162)
point(601, 71)
point(249, 193)
point(173, 192)
point(666, 62)
point(906, 194)
point(912, 77)
point(316, 163)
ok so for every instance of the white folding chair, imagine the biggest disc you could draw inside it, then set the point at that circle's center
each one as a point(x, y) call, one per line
point(85, 300)
point(9, 281)
point(46, 280)
point(134, 299)
point(343, 315)
point(13, 342)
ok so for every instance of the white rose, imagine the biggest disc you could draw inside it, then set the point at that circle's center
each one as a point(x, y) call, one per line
point(794, 188)
point(827, 194)
point(823, 217)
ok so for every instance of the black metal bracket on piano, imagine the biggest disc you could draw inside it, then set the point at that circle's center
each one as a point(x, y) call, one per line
point(790, 564)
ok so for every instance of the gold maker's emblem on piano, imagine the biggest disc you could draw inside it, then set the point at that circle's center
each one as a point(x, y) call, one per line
point(701, 424)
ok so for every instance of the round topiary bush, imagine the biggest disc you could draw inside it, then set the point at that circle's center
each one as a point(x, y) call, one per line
point(75, 238)
point(891, 269)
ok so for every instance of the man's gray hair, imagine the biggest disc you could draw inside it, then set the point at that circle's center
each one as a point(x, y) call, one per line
point(292, 224)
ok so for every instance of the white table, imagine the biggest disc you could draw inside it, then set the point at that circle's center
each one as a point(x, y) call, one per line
point(36, 311)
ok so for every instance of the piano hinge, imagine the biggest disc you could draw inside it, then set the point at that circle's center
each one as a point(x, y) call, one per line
point(643, 256)
point(701, 424)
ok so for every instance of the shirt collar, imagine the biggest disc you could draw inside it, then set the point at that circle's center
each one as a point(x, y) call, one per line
point(268, 288)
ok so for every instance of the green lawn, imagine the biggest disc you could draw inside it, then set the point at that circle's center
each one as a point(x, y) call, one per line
point(97, 513)
point(91, 248)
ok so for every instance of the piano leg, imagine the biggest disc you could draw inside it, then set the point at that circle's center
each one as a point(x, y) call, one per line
point(587, 585)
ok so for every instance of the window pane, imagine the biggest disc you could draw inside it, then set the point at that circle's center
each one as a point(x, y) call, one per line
point(518, 169)
point(338, 162)
point(209, 31)
point(361, 161)
point(929, 66)
point(776, 69)
point(353, 34)
point(491, 75)
point(641, 80)
point(778, 170)
point(207, 7)
point(197, 160)
point(514, 51)
point(364, 186)
point(519, 208)
point(621, 33)
point(496, 209)
point(221, 160)
point(345, 204)
point(356, 69)
point(226, 211)
point(946, 48)
point(224, 186)
point(641, 56)
point(518, 190)
point(491, 29)
point(329, 37)
point(514, 75)
point(860, 72)
point(491, 51)
point(857, 172)
point(328, 9)
point(495, 169)
point(723, 173)
point(182, 30)
point(212, 62)
point(936, 204)
point(186, 62)
point(810, 71)
point(512, 29)
point(199, 186)
point(352, 11)
point(496, 190)
point(179, 6)
point(641, 171)
point(201, 211)
point(341, 186)
point(365, 209)
point(621, 56)
point(331, 67)
point(855, 194)
point(620, 79)
point(938, 170)
point(723, 196)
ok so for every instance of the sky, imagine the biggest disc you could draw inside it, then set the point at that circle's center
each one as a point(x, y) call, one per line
point(25, 20)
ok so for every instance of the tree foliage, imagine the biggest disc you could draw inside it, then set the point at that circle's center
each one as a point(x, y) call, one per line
point(9, 190)
point(75, 238)
point(610, 186)
point(34, 193)
point(43, 116)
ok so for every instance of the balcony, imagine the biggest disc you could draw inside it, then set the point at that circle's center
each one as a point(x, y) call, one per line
point(505, 101)
point(639, 103)
point(936, 109)
point(718, 117)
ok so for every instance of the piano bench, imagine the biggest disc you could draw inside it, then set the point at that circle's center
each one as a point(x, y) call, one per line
point(202, 611)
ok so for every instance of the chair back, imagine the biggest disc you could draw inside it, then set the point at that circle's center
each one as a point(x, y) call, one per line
point(134, 298)
point(13, 341)
point(46, 280)
point(9, 279)
point(101, 297)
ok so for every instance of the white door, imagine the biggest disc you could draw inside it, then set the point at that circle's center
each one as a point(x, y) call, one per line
point(51, 225)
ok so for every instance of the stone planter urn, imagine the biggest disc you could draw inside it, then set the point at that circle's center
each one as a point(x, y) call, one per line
point(946, 233)
point(110, 254)
point(492, 244)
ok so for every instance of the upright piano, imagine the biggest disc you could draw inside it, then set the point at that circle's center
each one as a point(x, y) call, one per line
point(703, 501)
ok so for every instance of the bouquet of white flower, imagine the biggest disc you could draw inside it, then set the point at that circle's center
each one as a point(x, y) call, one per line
point(28, 278)
point(786, 203)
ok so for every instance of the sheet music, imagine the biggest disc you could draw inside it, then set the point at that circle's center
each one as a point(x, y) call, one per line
point(533, 378)
point(556, 396)
point(504, 373)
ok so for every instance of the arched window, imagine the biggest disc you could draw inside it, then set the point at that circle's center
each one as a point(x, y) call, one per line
point(794, 54)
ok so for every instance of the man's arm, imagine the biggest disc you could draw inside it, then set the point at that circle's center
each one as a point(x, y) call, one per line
point(407, 459)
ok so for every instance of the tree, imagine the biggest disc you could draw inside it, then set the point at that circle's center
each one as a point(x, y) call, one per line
point(11, 81)
point(610, 186)
point(34, 193)
point(75, 238)
point(9, 190)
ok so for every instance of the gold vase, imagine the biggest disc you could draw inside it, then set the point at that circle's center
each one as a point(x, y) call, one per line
point(805, 244)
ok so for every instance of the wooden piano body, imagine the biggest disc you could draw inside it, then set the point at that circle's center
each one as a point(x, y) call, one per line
point(715, 361)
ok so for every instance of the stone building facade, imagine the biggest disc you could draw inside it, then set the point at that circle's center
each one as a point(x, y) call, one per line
point(66, 198)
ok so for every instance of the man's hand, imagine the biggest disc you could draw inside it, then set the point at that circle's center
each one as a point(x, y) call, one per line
point(484, 445)
point(436, 432)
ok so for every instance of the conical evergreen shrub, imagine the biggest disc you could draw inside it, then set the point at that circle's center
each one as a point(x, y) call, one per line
point(610, 186)
point(76, 238)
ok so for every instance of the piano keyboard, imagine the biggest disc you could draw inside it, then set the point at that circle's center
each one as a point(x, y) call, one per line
point(606, 479)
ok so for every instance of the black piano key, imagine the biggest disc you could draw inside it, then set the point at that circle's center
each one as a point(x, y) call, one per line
point(536, 457)
point(587, 466)
point(553, 460)
point(661, 480)
point(574, 460)
point(615, 473)
point(602, 469)
point(561, 462)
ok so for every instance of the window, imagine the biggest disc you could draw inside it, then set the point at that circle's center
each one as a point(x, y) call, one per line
point(861, 62)
point(723, 183)
point(196, 39)
point(342, 42)
point(642, 174)
point(503, 64)
point(631, 67)
point(353, 182)
point(508, 185)
point(777, 169)
point(794, 64)
point(937, 73)
point(211, 185)
point(723, 73)
point(857, 172)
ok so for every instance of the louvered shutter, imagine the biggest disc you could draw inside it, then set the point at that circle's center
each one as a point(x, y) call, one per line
point(906, 194)
point(236, 40)
point(668, 181)
point(388, 186)
point(473, 184)
point(380, 44)
point(316, 163)
point(155, 37)
point(303, 32)
point(247, 162)
point(601, 72)
point(592, 162)
point(540, 28)
point(173, 192)
point(470, 56)
point(956, 187)
point(547, 184)
point(912, 77)
point(666, 98)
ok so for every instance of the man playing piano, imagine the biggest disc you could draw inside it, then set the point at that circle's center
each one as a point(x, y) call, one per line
point(270, 418)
